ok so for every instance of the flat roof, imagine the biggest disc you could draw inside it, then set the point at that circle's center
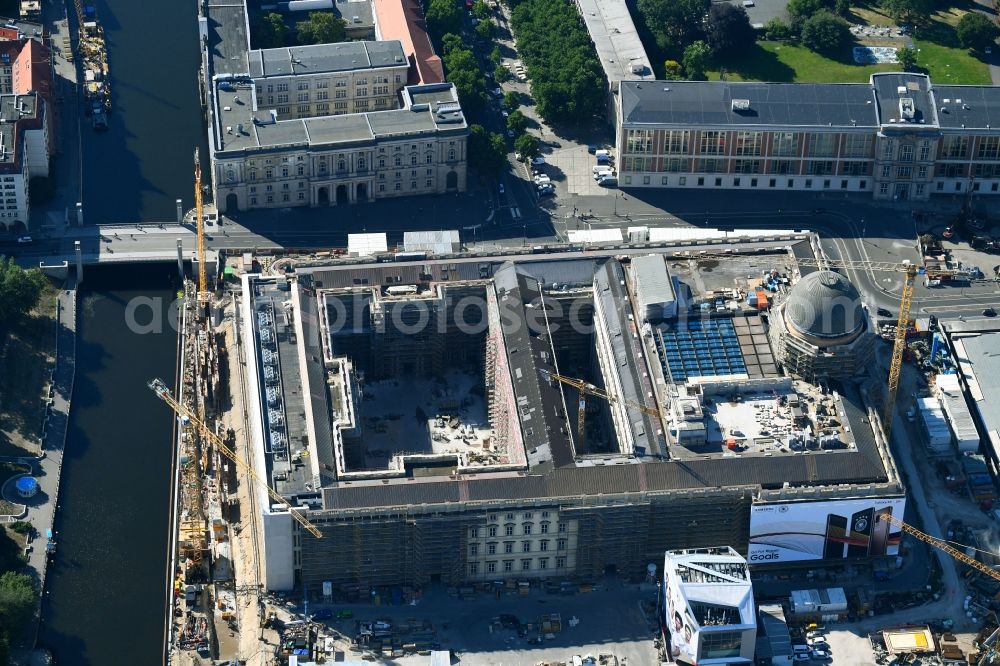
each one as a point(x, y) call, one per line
point(891, 87)
point(967, 107)
point(367, 244)
point(981, 367)
point(710, 103)
point(326, 58)
point(615, 38)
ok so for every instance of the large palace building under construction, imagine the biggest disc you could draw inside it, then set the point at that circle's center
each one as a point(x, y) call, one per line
point(467, 419)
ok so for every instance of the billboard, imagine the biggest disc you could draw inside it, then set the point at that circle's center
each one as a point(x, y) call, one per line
point(836, 529)
point(680, 623)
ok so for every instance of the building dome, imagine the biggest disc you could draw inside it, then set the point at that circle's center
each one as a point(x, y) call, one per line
point(825, 307)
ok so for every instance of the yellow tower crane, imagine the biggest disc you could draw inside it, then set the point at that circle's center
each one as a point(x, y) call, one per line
point(200, 225)
point(909, 271)
point(585, 389)
point(940, 544)
point(163, 393)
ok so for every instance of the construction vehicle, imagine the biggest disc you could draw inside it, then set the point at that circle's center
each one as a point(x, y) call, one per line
point(585, 389)
point(200, 225)
point(940, 544)
point(160, 389)
point(909, 271)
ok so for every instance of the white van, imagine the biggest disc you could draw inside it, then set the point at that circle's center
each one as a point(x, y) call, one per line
point(608, 181)
point(602, 168)
point(605, 153)
point(801, 649)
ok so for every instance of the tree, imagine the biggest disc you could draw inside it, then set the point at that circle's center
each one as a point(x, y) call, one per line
point(18, 598)
point(728, 30)
point(269, 31)
point(321, 28)
point(487, 151)
point(517, 122)
point(908, 11)
point(696, 61)
point(825, 33)
point(462, 69)
point(801, 10)
point(907, 58)
point(485, 30)
point(672, 70)
point(527, 145)
point(976, 31)
point(496, 56)
point(674, 23)
point(776, 29)
point(443, 16)
point(19, 289)
point(501, 74)
point(512, 100)
point(451, 42)
point(480, 9)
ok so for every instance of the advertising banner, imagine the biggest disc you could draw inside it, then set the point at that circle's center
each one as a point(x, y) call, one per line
point(837, 529)
point(680, 624)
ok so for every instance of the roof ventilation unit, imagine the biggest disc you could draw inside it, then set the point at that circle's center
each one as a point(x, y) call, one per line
point(906, 110)
point(741, 105)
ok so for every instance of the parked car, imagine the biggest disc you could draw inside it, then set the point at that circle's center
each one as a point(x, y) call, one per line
point(501, 188)
point(821, 655)
point(801, 656)
point(608, 181)
point(989, 312)
point(538, 160)
point(345, 614)
point(24, 240)
point(592, 148)
point(820, 645)
point(324, 614)
point(519, 157)
point(601, 168)
point(814, 634)
point(882, 312)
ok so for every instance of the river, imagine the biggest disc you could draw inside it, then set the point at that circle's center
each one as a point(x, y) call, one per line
point(106, 583)
point(144, 162)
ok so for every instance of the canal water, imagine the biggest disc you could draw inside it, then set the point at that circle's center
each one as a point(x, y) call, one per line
point(144, 162)
point(106, 585)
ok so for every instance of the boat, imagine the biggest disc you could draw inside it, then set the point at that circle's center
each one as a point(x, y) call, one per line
point(93, 53)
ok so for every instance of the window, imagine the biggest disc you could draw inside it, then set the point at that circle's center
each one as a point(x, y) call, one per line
point(639, 141)
point(473, 568)
point(491, 548)
point(925, 151)
point(809, 183)
point(562, 526)
point(922, 172)
point(561, 544)
point(785, 144)
point(543, 563)
point(783, 166)
point(526, 528)
point(560, 563)
point(720, 644)
point(920, 190)
point(858, 145)
point(429, 183)
point(525, 546)
point(508, 565)
point(989, 148)
point(747, 166)
point(772, 182)
point(718, 182)
point(820, 167)
point(473, 550)
point(362, 92)
point(663, 180)
point(508, 546)
point(954, 147)
point(675, 164)
point(855, 168)
point(748, 143)
point(713, 143)
point(736, 182)
point(543, 545)
point(545, 528)
point(284, 172)
point(676, 142)
point(282, 99)
point(701, 181)
point(340, 94)
point(645, 180)
point(413, 184)
point(905, 153)
point(711, 165)
point(826, 184)
point(413, 159)
point(843, 184)
point(526, 565)
point(451, 155)
point(322, 84)
point(888, 149)
point(883, 188)
point(791, 182)
point(491, 530)
point(753, 182)
point(491, 567)
point(822, 144)
point(285, 197)
point(886, 171)
point(269, 198)
point(282, 87)
point(904, 173)
point(253, 201)
point(304, 97)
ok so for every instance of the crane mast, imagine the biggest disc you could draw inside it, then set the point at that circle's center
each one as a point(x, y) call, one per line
point(200, 225)
point(163, 393)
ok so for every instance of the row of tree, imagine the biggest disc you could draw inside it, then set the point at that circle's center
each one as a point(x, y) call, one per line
point(462, 69)
point(18, 594)
point(567, 81)
point(269, 31)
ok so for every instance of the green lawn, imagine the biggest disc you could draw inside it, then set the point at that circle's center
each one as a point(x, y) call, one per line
point(775, 61)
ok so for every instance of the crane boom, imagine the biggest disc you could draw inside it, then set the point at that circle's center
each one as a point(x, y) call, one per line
point(940, 544)
point(200, 226)
point(163, 393)
point(586, 388)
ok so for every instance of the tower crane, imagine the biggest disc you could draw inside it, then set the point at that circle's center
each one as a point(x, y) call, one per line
point(940, 544)
point(163, 393)
point(585, 389)
point(200, 225)
point(909, 271)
